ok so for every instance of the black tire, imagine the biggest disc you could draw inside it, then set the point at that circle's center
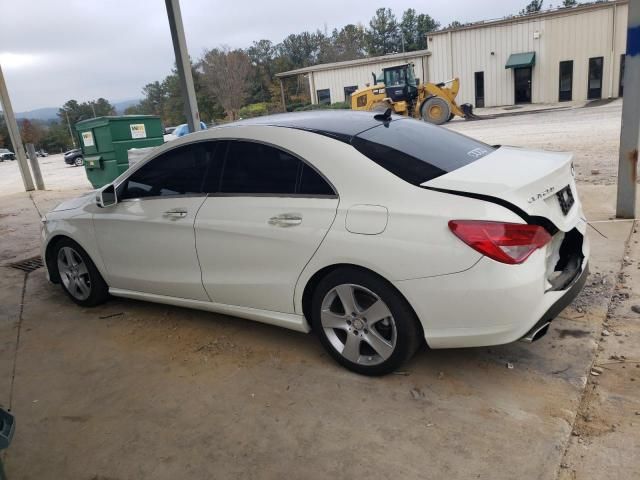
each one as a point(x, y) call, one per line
point(435, 110)
point(98, 289)
point(408, 333)
point(78, 161)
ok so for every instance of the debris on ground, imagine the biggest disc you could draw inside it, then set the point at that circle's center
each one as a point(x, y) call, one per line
point(510, 365)
point(635, 309)
point(416, 393)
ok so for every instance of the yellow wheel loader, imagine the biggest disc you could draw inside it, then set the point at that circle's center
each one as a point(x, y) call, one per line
point(399, 90)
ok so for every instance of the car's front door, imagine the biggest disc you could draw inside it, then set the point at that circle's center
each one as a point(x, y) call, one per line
point(257, 232)
point(147, 239)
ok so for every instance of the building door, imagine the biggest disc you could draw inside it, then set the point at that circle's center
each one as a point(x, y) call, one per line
point(522, 79)
point(565, 92)
point(479, 83)
point(595, 78)
point(621, 83)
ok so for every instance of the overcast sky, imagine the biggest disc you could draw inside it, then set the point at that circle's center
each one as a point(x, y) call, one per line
point(54, 50)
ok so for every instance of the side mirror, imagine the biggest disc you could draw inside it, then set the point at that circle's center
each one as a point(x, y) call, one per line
point(107, 196)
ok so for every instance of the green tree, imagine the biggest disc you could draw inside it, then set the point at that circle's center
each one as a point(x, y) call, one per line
point(533, 7)
point(56, 137)
point(30, 132)
point(75, 111)
point(5, 140)
point(383, 34)
point(226, 75)
point(349, 42)
point(414, 28)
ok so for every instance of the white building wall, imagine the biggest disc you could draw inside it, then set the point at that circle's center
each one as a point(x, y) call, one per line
point(574, 35)
point(336, 79)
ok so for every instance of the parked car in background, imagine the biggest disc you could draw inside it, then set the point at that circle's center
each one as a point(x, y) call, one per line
point(42, 153)
point(169, 130)
point(182, 130)
point(74, 157)
point(6, 154)
point(378, 232)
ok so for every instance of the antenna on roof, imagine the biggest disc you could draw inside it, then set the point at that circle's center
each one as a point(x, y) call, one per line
point(385, 116)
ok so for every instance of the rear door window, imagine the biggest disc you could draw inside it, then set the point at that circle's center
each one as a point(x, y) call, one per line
point(417, 151)
point(258, 168)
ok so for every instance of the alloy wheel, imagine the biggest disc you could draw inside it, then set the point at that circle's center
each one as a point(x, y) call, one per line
point(74, 273)
point(358, 324)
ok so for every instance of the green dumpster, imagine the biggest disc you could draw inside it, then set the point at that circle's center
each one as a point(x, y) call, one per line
point(105, 142)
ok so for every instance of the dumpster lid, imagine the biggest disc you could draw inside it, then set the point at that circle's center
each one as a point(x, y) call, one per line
point(102, 121)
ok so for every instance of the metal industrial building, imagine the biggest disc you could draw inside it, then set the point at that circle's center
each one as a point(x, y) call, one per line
point(566, 54)
point(334, 82)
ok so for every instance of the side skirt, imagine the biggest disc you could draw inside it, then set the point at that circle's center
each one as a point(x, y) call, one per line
point(279, 319)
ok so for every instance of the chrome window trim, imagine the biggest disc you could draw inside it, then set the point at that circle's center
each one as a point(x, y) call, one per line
point(233, 138)
point(281, 195)
point(163, 197)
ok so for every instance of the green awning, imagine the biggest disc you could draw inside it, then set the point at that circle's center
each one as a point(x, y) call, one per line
point(519, 60)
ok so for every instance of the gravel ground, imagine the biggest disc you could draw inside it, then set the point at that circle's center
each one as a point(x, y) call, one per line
point(57, 176)
point(591, 133)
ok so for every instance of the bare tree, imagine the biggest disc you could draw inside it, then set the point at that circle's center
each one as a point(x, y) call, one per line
point(227, 74)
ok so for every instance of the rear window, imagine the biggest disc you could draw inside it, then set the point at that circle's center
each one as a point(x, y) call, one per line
point(417, 151)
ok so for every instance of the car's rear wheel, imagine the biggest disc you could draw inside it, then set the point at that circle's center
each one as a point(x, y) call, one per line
point(78, 162)
point(78, 275)
point(363, 322)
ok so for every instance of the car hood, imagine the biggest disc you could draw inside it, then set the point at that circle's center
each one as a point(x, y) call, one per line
point(76, 203)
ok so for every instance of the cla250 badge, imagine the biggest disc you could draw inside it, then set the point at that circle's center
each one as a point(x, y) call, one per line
point(543, 194)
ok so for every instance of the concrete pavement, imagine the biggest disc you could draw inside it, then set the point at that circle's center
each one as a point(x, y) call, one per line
point(135, 390)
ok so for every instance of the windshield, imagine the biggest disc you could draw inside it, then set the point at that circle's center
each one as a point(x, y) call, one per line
point(417, 151)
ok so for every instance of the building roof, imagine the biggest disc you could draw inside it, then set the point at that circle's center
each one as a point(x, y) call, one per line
point(359, 61)
point(532, 16)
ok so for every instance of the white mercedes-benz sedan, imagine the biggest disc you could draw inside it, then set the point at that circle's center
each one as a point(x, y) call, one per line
point(375, 231)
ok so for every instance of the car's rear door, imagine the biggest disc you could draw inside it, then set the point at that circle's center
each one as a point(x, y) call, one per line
point(257, 231)
point(147, 239)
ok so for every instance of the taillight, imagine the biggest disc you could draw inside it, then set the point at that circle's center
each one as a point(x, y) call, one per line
point(510, 243)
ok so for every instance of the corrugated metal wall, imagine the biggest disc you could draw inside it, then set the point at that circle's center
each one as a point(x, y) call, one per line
point(335, 80)
point(575, 36)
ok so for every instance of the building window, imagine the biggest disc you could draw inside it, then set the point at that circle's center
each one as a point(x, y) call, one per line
point(595, 78)
point(565, 92)
point(348, 91)
point(324, 96)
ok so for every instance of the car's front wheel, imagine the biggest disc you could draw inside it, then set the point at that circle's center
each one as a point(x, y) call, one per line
point(78, 162)
point(78, 275)
point(363, 322)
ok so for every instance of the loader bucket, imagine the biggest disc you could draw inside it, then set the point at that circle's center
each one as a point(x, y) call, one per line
point(467, 109)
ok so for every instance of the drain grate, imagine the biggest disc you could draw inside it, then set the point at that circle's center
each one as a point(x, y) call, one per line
point(29, 264)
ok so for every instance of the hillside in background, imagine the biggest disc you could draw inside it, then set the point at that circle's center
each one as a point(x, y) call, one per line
point(51, 113)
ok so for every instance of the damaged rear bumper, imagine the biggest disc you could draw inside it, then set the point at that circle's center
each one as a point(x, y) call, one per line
point(541, 327)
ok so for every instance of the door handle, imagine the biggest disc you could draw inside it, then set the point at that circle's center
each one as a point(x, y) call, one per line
point(175, 213)
point(286, 220)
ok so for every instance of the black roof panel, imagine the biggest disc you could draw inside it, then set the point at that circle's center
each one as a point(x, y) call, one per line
point(341, 124)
